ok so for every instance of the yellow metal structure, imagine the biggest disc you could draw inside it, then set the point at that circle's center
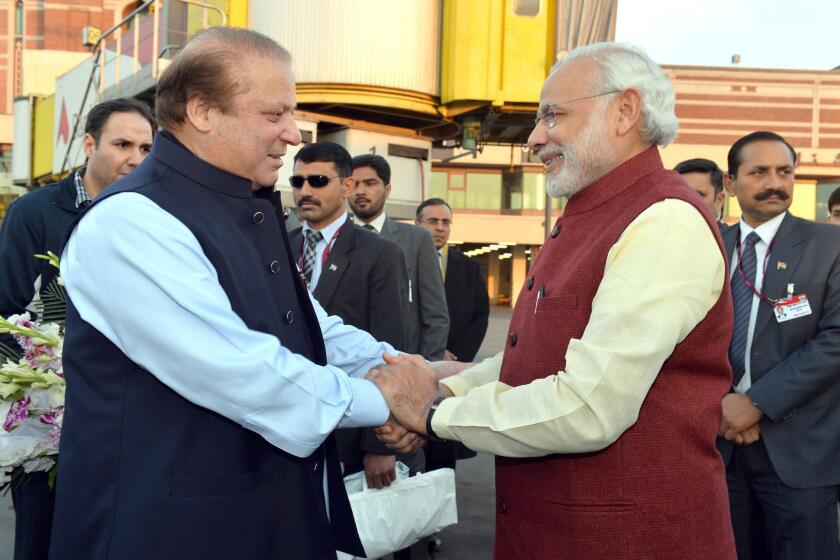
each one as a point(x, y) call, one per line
point(490, 53)
point(237, 12)
point(42, 134)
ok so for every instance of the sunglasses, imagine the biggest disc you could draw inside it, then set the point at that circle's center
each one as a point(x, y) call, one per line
point(315, 181)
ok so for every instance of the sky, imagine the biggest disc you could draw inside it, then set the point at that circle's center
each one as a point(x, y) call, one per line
point(803, 34)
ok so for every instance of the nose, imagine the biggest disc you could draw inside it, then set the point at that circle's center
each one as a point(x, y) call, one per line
point(290, 134)
point(538, 137)
point(136, 157)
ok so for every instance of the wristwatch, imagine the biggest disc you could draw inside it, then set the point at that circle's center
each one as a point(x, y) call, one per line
point(432, 410)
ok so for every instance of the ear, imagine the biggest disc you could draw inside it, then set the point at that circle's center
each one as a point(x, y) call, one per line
point(629, 104)
point(387, 190)
point(198, 113)
point(727, 184)
point(348, 187)
point(89, 144)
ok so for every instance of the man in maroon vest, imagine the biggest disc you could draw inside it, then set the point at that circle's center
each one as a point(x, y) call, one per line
point(604, 406)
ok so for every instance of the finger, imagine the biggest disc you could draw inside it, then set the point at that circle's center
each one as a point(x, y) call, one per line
point(392, 358)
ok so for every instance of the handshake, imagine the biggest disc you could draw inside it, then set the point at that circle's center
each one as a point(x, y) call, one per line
point(410, 385)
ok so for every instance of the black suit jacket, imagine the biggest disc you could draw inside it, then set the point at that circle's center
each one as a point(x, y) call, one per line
point(795, 365)
point(468, 304)
point(362, 282)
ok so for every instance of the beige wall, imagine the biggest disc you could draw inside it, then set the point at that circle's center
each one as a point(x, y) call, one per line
point(41, 68)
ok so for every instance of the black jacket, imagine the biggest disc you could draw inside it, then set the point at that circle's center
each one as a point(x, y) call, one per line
point(362, 282)
point(35, 223)
point(468, 304)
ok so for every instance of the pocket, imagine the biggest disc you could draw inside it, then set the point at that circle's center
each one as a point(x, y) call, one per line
point(209, 486)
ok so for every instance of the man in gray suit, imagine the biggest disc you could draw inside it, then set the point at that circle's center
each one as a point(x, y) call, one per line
point(784, 411)
point(427, 325)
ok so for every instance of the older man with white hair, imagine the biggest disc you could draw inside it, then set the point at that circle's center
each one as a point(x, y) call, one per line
point(604, 406)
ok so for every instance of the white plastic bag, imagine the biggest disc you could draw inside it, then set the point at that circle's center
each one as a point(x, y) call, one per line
point(399, 515)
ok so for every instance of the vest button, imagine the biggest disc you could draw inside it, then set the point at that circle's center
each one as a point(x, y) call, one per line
point(274, 267)
point(290, 316)
point(556, 231)
point(258, 217)
point(530, 283)
point(502, 506)
point(513, 339)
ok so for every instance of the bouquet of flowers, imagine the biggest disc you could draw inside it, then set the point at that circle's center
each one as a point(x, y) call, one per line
point(32, 387)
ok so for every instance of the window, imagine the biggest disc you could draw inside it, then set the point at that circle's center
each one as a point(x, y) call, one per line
point(528, 8)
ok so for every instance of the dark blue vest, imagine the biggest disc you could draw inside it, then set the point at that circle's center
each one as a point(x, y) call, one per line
point(143, 472)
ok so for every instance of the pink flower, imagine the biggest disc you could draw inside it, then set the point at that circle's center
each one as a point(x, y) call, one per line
point(17, 414)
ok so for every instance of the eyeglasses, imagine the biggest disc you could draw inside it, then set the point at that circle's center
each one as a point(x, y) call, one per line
point(550, 117)
point(434, 222)
point(315, 181)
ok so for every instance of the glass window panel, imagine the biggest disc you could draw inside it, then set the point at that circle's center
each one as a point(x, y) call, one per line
point(456, 199)
point(437, 188)
point(526, 7)
point(456, 180)
point(484, 191)
point(824, 191)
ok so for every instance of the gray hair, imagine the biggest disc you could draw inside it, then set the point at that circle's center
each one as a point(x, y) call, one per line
point(625, 66)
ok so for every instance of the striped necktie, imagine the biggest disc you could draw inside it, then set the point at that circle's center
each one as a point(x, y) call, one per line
point(742, 296)
point(312, 239)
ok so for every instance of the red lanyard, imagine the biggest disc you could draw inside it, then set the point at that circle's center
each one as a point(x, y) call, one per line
point(325, 255)
point(744, 278)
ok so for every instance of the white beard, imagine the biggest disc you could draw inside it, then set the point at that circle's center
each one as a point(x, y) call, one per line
point(585, 160)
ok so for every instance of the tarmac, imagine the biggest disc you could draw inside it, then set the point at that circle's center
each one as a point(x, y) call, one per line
point(470, 539)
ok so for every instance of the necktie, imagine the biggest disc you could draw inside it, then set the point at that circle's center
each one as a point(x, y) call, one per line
point(369, 228)
point(312, 239)
point(742, 297)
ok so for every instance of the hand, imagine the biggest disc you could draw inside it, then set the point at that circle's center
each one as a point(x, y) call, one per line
point(444, 369)
point(739, 414)
point(409, 386)
point(749, 436)
point(398, 438)
point(380, 470)
point(449, 356)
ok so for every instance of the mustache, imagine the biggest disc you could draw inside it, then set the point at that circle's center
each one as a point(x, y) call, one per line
point(308, 199)
point(764, 195)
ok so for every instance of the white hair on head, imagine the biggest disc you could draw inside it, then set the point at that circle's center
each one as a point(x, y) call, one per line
point(624, 66)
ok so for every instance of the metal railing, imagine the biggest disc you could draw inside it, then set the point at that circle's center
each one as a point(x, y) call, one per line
point(112, 64)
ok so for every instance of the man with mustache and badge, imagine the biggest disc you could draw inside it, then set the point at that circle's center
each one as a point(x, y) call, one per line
point(604, 406)
point(785, 354)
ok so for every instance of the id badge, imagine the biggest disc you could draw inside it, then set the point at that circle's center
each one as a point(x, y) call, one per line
point(791, 308)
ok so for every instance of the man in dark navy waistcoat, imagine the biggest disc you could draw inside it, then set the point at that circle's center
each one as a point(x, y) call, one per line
point(203, 382)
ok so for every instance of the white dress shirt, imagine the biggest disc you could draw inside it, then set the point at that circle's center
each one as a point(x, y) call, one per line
point(329, 234)
point(377, 222)
point(766, 232)
point(139, 276)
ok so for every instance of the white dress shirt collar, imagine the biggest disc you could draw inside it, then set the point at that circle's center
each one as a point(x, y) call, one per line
point(377, 222)
point(766, 231)
point(329, 230)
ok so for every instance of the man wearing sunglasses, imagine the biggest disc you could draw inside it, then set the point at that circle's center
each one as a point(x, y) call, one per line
point(355, 275)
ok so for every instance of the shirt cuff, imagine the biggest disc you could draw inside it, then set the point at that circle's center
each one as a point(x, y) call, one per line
point(442, 416)
point(457, 384)
point(367, 408)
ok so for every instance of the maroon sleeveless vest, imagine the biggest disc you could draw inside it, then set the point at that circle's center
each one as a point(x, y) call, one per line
point(659, 491)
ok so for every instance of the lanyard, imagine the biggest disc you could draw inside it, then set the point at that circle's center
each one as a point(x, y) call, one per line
point(325, 255)
point(745, 280)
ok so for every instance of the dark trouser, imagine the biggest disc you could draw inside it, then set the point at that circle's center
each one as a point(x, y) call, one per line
point(34, 501)
point(773, 521)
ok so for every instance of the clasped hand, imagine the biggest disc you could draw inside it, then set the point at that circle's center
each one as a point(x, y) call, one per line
point(410, 386)
point(739, 421)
